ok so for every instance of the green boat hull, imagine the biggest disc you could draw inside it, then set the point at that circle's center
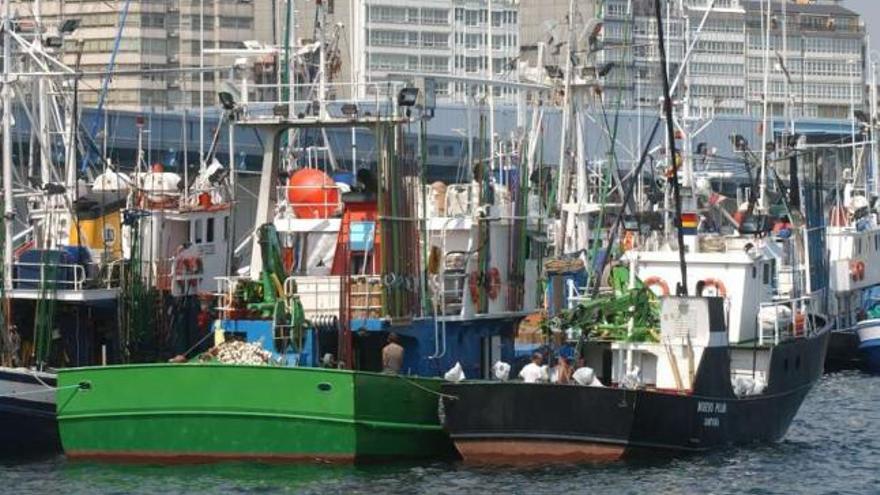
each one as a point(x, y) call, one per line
point(203, 412)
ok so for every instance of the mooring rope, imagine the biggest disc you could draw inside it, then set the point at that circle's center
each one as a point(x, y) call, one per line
point(37, 378)
point(34, 392)
point(426, 389)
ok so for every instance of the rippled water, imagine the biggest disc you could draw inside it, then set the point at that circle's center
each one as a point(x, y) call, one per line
point(832, 447)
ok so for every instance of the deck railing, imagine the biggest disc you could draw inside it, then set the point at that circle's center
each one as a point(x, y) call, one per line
point(64, 276)
point(799, 325)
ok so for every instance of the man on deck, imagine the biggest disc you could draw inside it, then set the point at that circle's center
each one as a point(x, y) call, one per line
point(392, 355)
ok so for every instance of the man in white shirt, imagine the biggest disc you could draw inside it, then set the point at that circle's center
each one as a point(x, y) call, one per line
point(534, 372)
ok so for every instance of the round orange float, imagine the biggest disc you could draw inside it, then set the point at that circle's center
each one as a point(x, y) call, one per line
point(312, 194)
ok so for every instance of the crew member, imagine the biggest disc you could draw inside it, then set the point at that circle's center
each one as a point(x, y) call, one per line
point(563, 371)
point(534, 372)
point(392, 355)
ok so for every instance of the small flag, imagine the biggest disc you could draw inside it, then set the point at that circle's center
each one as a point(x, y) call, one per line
point(689, 223)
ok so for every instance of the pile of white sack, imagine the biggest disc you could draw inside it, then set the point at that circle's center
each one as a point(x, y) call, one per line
point(587, 377)
point(237, 352)
point(744, 386)
point(531, 373)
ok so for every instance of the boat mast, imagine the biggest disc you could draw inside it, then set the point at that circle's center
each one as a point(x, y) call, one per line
point(562, 180)
point(673, 154)
point(491, 69)
point(201, 85)
point(875, 156)
point(762, 186)
point(6, 95)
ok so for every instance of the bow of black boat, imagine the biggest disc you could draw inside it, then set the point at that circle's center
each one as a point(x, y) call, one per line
point(698, 392)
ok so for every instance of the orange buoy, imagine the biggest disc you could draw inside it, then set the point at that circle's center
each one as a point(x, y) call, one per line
point(312, 194)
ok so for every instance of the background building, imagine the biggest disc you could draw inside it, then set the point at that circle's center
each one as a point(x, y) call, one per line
point(156, 35)
point(375, 38)
point(817, 67)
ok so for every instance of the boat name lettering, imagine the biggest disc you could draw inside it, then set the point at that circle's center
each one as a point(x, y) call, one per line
point(711, 407)
point(712, 422)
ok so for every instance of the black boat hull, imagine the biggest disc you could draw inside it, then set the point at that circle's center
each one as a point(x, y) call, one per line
point(28, 424)
point(514, 422)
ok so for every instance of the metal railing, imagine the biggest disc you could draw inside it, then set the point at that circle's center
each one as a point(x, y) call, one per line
point(799, 325)
point(318, 295)
point(376, 98)
point(64, 276)
point(326, 205)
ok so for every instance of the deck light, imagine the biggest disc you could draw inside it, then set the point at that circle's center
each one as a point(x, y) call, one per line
point(226, 100)
point(407, 97)
point(349, 110)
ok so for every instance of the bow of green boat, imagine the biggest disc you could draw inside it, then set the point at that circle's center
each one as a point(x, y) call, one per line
point(197, 412)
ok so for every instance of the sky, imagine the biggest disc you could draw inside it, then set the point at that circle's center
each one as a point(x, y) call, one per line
point(869, 9)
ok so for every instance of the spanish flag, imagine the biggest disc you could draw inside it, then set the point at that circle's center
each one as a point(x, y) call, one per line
point(689, 223)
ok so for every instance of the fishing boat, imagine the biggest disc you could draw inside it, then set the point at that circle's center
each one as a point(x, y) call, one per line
point(336, 267)
point(868, 332)
point(659, 369)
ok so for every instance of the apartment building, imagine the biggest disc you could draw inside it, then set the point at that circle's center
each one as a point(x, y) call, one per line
point(157, 34)
point(816, 69)
point(445, 37)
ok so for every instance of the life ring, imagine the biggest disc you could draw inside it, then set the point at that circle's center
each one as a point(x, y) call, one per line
point(720, 289)
point(652, 281)
point(857, 270)
point(474, 286)
point(494, 283)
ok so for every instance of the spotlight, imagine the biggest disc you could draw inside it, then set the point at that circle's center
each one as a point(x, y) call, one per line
point(407, 97)
point(349, 110)
point(226, 100)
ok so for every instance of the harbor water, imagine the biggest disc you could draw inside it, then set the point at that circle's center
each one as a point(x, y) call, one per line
point(833, 447)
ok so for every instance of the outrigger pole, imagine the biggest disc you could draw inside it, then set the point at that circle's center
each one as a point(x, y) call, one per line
point(681, 290)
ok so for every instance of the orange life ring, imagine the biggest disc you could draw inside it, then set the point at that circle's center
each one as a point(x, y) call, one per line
point(857, 270)
point(652, 281)
point(720, 289)
point(474, 286)
point(494, 283)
